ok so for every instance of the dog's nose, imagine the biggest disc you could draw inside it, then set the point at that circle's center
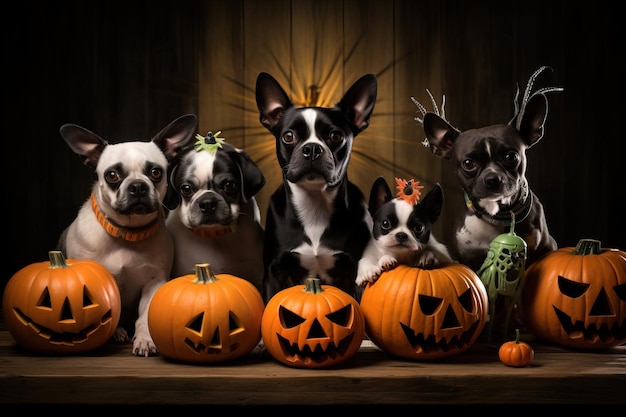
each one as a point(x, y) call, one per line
point(401, 237)
point(492, 181)
point(138, 188)
point(312, 151)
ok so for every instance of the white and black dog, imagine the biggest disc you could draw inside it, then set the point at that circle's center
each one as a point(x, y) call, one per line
point(402, 230)
point(121, 225)
point(214, 215)
point(317, 222)
point(490, 164)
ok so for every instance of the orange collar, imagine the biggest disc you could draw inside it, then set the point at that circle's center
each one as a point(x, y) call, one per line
point(131, 235)
point(214, 232)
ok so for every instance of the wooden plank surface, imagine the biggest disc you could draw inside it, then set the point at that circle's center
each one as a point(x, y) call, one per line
point(112, 375)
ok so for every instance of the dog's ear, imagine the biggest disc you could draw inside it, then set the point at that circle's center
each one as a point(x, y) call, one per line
point(172, 197)
point(358, 102)
point(177, 135)
point(440, 134)
point(533, 119)
point(84, 143)
point(379, 195)
point(252, 179)
point(271, 100)
point(432, 203)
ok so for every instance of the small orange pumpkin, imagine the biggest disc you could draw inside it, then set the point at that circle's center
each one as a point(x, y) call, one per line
point(424, 314)
point(206, 318)
point(576, 297)
point(312, 325)
point(516, 353)
point(62, 306)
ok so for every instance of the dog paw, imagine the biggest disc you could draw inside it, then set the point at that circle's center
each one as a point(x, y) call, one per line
point(366, 275)
point(387, 262)
point(120, 335)
point(144, 346)
point(427, 260)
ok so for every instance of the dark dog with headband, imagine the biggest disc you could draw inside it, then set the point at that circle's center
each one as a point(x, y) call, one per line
point(490, 165)
point(214, 215)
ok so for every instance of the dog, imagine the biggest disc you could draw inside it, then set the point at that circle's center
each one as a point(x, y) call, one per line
point(490, 164)
point(402, 230)
point(121, 225)
point(214, 216)
point(317, 222)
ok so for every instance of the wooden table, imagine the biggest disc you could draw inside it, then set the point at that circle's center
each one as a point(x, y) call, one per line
point(113, 376)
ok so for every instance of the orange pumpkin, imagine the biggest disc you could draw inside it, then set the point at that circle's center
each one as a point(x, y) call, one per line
point(424, 314)
point(206, 318)
point(312, 325)
point(62, 306)
point(576, 297)
point(516, 353)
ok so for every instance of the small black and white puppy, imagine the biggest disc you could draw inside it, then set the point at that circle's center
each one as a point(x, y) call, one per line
point(402, 233)
point(121, 225)
point(214, 215)
point(317, 222)
point(490, 164)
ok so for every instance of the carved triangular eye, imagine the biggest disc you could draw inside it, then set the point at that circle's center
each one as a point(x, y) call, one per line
point(467, 301)
point(429, 305)
point(235, 324)
point(87, 301)
point(44, 299)
point(289, 319)
point(571, 288)
point(342, 317)
point(195, 325)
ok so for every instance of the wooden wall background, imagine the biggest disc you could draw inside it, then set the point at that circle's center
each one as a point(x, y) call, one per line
point(125, 69)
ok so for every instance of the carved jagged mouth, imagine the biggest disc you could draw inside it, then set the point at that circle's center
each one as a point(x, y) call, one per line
point(592, 334)
point(64, 338)
point(429, 344)
point(318, 354)
point(211, 350)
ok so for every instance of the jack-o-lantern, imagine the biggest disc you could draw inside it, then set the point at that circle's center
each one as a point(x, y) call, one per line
point(62, 306)
point(576, 297)
point(422, 314)
point(206, 317)
point(312, 325)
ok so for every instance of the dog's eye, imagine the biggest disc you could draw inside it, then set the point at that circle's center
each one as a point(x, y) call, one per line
point(511, 158)
point(418, 229)
point(186, 190)
point(230, 187)
point(112, 176)
point(468, 164)
point(385, 225)
point(289, 137)
point(336, 136)
point(156, 174)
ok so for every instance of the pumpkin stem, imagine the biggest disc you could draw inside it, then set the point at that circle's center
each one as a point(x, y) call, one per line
point(57, 259)
point(587, 247)
point(516, 336)
point(512, 231)
point(204, 274)
point(313, 285)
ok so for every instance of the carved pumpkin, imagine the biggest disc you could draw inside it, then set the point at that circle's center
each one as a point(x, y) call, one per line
point(62, 306)
point(312, 325)
point(422, 314)
point(576, 297)
point(206, 318)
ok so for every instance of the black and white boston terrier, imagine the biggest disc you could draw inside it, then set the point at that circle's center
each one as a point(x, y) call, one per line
point(402, 230)
point(214, 215)
point(317, 221)
point(490, 164)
